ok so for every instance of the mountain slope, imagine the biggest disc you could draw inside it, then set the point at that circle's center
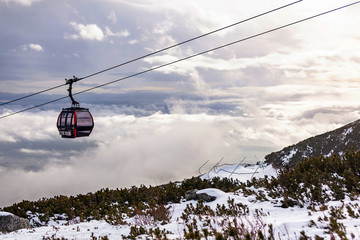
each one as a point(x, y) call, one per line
point(327, 144)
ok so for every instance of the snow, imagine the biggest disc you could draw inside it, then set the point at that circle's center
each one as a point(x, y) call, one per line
point(287, 222)
point(76, 231)
point(330, 153)
point(241, 173)
point(346, 132)
point(285, 159)
point(5, 214)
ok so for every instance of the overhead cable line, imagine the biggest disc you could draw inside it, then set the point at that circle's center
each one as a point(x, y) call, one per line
point(192, 56)
point(158, 51)
point(33, 94)
point(192, 39)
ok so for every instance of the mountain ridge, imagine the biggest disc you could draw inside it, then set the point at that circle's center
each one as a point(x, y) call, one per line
point(327, 144)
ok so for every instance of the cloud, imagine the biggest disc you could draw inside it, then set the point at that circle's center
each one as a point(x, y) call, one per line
point(167, 147)
point(129, 151)
point(94, 33)
point(163, 27)
point(34, 151)
point(133, 144)
point(109, 33)
point(112, 17)
point(86, 32)
point(21, 2)
point(32, 46)
point(133, 41)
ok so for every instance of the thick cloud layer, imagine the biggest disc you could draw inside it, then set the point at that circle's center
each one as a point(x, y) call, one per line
point(244, 100)
point(136, 145)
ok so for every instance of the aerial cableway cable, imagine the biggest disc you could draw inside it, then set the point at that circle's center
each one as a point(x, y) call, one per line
point(158, 51)
point(192, 39)
point(192, 56)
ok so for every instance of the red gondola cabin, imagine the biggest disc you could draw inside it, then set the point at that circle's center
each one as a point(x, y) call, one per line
point(75, 122)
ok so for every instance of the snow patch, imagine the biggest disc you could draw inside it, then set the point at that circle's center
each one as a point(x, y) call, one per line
point(241, 173)
point(286, 159)
point(346, 132)
point(5, 214)
point(330, 153)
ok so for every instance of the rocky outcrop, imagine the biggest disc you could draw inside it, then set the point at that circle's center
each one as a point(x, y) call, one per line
point(193, 195)
point(327, 144)
point(10, 222)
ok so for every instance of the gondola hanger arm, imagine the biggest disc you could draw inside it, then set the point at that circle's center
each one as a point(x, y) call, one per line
point(70, 82)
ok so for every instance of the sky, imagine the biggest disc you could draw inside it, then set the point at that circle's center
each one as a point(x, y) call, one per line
point(238, 103)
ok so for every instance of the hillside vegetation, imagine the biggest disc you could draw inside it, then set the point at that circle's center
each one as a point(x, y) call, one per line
point(110, 205)
point(315, 180)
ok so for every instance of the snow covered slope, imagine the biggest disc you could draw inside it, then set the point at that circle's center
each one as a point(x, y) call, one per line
point(327, 144)
point(239, 172)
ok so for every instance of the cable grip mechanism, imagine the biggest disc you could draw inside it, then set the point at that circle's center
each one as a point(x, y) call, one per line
point(70, 82)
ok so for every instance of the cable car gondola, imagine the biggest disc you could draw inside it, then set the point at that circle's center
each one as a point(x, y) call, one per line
point(75, 121)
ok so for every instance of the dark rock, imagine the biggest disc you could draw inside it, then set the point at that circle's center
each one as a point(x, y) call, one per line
point(205, 197)
point(193, 195)
point(10, 222)
point(289, 203)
